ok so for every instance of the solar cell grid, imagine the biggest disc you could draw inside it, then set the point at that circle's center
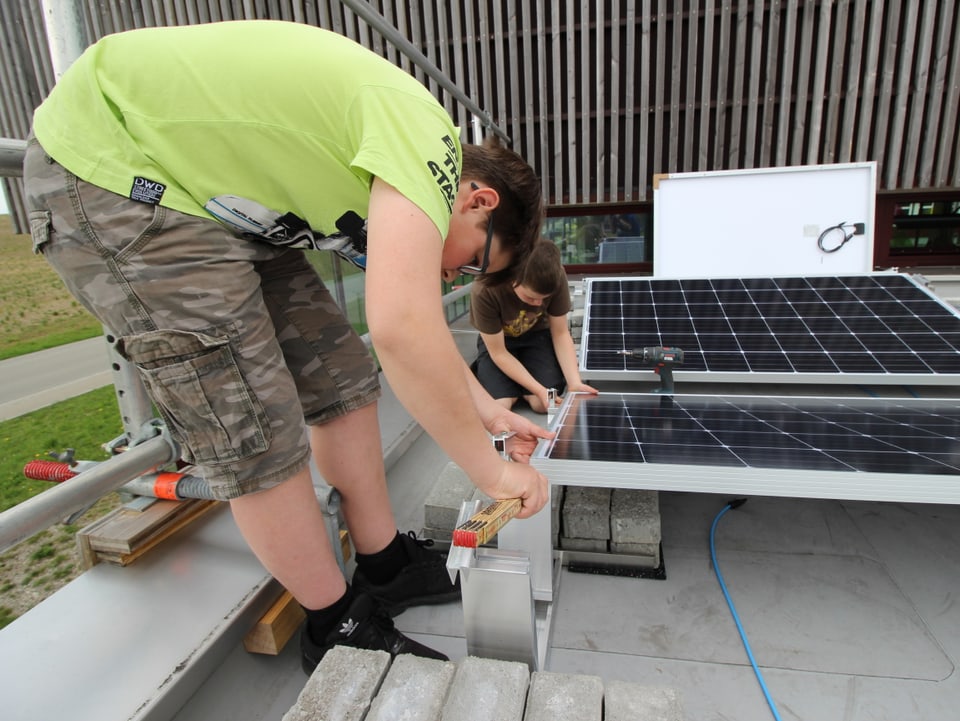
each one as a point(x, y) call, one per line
point(916, 436)
point(869, 328)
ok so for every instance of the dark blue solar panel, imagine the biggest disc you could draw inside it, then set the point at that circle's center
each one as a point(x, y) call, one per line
point(867, 325)
point(877, 435)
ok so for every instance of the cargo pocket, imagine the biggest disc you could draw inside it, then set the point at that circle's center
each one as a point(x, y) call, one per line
point(199, 390)
point(40, 222)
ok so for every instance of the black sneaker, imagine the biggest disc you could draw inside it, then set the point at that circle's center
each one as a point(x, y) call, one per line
point(364, 625)
point(424, 580)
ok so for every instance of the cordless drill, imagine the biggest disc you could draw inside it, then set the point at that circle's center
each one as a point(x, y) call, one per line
point(663, 358)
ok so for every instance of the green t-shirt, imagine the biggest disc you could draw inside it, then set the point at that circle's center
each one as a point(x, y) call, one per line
point(297, 118)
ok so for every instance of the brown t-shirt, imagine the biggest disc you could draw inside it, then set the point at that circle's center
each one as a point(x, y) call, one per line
point(498, 308)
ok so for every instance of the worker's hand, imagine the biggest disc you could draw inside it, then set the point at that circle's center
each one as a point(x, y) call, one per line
point(581, 387)
point(518, 480)
point(525, 432)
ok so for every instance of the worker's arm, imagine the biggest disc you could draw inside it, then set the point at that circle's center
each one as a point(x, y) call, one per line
point(566, 354)
point(524, 433)
point(417, 352)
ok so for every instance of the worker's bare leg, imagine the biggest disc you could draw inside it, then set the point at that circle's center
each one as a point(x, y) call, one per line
point(349, 454)
point(284, 527)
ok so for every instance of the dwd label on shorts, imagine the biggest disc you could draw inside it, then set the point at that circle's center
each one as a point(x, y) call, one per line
point(147, 191)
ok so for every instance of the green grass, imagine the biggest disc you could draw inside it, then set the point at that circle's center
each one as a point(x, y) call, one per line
point(37, 312)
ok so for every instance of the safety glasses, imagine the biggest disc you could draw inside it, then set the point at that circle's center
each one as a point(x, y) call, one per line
point(485, 261)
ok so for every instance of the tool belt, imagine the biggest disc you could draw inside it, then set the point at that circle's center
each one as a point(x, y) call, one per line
point(248, 219)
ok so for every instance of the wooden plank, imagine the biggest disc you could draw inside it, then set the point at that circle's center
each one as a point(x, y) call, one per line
point(125, 534)
point(277, 626)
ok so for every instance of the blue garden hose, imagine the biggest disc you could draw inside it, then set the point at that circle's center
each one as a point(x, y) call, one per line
point(723, 587)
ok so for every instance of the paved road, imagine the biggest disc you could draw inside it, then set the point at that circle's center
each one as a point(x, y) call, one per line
point(40, 379)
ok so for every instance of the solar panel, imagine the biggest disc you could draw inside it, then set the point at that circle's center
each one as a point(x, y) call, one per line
point(855, 448)
point(872, 328)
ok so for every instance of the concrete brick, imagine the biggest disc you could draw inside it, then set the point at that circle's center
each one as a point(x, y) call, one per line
point(627, 701)
point(341, 687)
point(634, 516)
point(414, 690)
point(649, 551)
point(442, 506)
point(557, 494)
point(484, 689)
point(592, 545)
point(564, 697)
point(586, 513)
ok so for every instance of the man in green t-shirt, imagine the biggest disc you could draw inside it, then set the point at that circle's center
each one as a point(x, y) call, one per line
point(172, 171)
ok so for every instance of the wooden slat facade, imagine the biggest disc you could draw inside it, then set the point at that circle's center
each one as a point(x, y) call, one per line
point(601, 95)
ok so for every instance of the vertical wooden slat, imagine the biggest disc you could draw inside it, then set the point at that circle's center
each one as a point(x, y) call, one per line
point(804, 68)
point(447, 65)
point(901, 99)
point(658, 102)
point(484, 94)
point(821, 57)
point(431, 40)
point(932, 136)
point(951, 116)
point(556, 81)
point(769, 102)
point(527, 18)
point(614, 110)
point(885, 92)
point(785, 89)
point(871, 66)
point(503, 34)
point(672, 116)
point(835, 84)
point(634, 141)
point(690, 101)
point(457, 38)
point(599, 110)
point(574, 140)
point(920, 116)
point(723, 72)
point(734, 147)
point(548, 161)
point(851, 88)
point(582, 33)
point(752, 103)
point(706, 124)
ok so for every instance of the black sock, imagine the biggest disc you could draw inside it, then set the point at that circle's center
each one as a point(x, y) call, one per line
point(383, 566)
point(322, 621)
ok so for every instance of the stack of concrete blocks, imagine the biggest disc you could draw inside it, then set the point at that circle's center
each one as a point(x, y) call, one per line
point(620, 521)
point(359, 685)
point(597, 520)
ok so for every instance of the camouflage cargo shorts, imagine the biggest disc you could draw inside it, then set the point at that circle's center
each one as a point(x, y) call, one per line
point(238, 342)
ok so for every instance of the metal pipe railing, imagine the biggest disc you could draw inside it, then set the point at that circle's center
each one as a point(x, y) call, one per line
point(11, 157)
point(45, 509)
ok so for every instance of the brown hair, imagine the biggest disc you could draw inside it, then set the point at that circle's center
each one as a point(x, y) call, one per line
point(518, 218)
point(542, 271)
